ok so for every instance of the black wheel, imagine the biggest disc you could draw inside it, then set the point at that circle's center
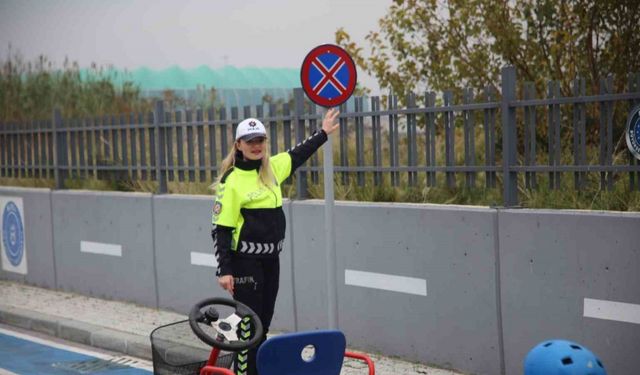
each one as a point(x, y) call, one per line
point(204, 312)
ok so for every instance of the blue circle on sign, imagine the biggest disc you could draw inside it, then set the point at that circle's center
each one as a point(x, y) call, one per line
point(13, 234)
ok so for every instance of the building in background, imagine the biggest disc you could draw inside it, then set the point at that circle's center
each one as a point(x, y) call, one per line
point(203, 86)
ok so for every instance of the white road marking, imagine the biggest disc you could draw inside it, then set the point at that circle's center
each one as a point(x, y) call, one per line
point(101, 248)
point(610, 310)
point(394, 283)
point(203, 259)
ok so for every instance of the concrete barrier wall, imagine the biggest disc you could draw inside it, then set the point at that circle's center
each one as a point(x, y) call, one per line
point(38, 237)
point(448, 250)
point(182, 232)
point(559, 269)
point(469, 288)
point(452, 250)
point(104, 244)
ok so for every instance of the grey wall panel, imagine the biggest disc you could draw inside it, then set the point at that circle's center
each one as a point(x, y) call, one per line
point(183, 227)
point(309, 265)
point(453, 249)
point(115, 219)
point(38, 237)
point(284, 318)
point(550, 262)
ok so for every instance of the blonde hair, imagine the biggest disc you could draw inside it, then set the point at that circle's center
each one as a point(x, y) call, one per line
point(265, 174)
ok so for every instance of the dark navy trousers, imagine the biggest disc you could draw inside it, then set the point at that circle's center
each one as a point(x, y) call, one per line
point(256, 283)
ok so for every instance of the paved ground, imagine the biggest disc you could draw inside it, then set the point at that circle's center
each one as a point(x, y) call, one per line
point(125, 327)
point(27, 352)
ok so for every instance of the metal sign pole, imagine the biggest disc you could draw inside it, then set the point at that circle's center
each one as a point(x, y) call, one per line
point(329, 88)
point(329, 236)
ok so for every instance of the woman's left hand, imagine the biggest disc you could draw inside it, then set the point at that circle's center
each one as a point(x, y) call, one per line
point(329, 124)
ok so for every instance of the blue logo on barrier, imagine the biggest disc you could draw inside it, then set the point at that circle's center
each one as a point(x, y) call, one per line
point(13, 234)
point(633, 132)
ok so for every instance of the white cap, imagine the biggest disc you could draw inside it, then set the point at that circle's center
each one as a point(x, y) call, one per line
point(250, 128)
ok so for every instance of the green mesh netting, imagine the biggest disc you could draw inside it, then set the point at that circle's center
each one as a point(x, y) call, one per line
point(228, 77)
point(234, 86)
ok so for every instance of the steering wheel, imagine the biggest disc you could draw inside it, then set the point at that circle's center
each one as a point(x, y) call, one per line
point(227, 338)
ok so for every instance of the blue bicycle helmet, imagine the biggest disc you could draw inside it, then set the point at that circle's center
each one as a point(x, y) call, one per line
point(561, 357)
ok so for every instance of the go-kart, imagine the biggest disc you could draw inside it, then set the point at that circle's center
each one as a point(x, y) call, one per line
point(175, 351)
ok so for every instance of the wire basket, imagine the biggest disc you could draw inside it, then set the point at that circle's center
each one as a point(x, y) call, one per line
point(176, 350)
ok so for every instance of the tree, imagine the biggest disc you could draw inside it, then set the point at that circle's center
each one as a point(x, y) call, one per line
point(439, 45)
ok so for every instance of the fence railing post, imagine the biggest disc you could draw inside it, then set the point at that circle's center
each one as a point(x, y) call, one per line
point(509, 137)
point(161, 170)
point(57, 149)
point(301, 178)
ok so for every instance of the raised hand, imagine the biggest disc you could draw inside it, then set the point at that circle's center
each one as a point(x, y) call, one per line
point(329, 124)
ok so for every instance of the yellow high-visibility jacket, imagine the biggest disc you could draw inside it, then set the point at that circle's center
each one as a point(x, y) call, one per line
point(248, 219)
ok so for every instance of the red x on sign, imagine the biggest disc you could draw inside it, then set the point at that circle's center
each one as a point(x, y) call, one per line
point(328, 75)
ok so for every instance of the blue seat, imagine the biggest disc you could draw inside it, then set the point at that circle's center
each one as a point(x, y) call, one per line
point(282, 355)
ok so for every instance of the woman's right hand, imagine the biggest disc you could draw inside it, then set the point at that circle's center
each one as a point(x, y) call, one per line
point(226, 282)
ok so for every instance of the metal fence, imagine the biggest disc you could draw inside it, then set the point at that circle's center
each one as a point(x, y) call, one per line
point(406, 146)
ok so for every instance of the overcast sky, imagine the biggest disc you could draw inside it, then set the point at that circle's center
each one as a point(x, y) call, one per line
point(188, 33)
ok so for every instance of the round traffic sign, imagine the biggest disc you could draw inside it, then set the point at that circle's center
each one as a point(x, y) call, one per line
point(328, 75)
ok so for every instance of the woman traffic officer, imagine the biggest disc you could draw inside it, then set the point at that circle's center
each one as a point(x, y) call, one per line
point(249, 223)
